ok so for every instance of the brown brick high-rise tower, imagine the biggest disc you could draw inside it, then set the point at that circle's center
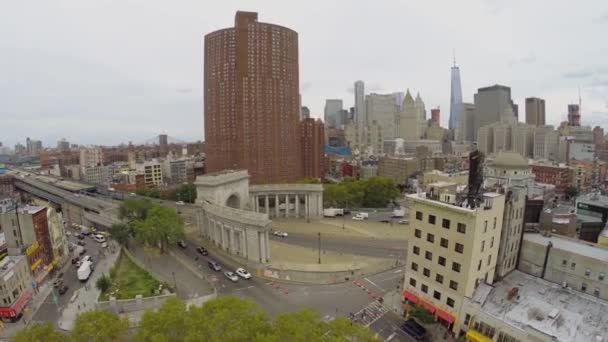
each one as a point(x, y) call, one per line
point(252, 100)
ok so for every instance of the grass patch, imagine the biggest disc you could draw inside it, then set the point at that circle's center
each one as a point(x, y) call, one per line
point(129, 280)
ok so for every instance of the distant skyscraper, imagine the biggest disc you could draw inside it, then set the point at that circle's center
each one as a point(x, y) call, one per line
point(304, 113)
point(333, 113)
point(455, 98)
point(436, 116)
point(360, 108)
point(493, 104)
point(399, 97)
point(574, 115)
point(252, 100)
point(535, 111)
point(163, 143)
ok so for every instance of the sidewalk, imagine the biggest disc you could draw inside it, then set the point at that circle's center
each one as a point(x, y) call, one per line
point(10, 329)
point(84, 298)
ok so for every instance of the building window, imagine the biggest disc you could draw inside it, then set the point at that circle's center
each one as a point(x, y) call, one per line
point(424, 288)
point(494, 223)
point(467, 319)
point(450, 302)
point(492, 242)
point(583, 287)
point(596, 292)
point(437, 295)
point(455, 267)
point(459, 248)
point(430, 238)
point(432, 219)
point(600, 276)
point(479, 265)
point(489, 259)
point(418, 233)
point(428, 255)
point(444, 243)
point(445, 223)
point(573, 265)
point(461, 228)
point(441, 261)
point(483, 245)
point(587, 272)
point(413, 282)
point(414, 267)
point(426, 272)
point(485, 226)
point(416, 250)
point(419, 215)
point(564, 263)
point(439, 278)
point(453, 285)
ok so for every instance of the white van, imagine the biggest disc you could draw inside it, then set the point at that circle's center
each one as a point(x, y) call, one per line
point(99, 238)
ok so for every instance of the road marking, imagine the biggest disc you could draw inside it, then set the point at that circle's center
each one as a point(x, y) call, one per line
point(244, 288)
point(391, 336)
point(398, 271)
point(371, 282)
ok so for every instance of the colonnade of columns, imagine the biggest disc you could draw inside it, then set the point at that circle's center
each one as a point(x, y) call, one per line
point(288, 205)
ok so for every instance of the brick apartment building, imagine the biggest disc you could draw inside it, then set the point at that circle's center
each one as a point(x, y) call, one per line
point(312, 142)
point(556, 174)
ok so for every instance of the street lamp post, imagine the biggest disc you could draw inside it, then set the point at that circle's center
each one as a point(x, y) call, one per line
point(174, 282)
point(319, 248)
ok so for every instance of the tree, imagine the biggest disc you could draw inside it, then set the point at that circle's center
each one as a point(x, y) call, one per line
point(309, 180)
point(100, 326)
point(168, 323)
point(571, 191)
point(133, 209)
point(39, 332)
point(122, 233)
point(300, 326)
point(103, 283)
point(379, 191)
point(342, 329)
point(186, 193)
point(160, 226)
point(226, 318)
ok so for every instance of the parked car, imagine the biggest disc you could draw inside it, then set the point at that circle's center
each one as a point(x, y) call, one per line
point(180, 203)
point(230, 275)
point(241, 272)
point(57, 283)
point(214, 266)
point(104, 244)
point(182, 244)
point(75, 260)
point(412, 328)
point(202, 250)
point(385, 221)
point(358, 218)
point(87, 258)
point(63, 290)
point(80, 243)
point(78, 263)
point(79, 236)
point(82, 251)
point(280, 233)
point(403, 222)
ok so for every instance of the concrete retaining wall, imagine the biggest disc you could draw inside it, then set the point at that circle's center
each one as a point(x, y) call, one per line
point(130, 305)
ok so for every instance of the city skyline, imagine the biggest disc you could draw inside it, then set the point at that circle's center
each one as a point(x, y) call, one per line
point(94, 83)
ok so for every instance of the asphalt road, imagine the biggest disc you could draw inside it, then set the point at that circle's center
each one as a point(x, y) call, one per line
point(394, 249)
point(388, 328)
point(49, 311)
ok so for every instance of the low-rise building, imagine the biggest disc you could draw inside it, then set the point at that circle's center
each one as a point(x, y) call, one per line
point(434, 176)
point(397, 168)
point(152, 171)
point(552, 173)
point(15, 290)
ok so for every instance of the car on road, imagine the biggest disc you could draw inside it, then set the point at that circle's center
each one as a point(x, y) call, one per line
point(82, 251)
point(202, 250)
point(280, 233)
point(75, 260)
point(403, 222)
point(87, 258)
point(412, 328)
point(180, 203)
point(99, 238)
point(79, 236)
point(63, 290)
point(80, 243)
point(358, 218)
point(78, 263)
point(182, 244)
point(385, 221)
point(233, 277)
point(241, 272)
point(104, 244)
point(214, 266)
point(57, 283)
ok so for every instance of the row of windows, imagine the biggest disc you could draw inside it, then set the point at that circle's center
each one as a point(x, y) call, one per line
point(436, 294)
point(600, 275)
point(458, 247)
point(438, 277)
point(445, 223)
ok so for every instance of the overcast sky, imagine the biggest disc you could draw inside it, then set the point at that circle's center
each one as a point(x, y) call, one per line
point(106, 72)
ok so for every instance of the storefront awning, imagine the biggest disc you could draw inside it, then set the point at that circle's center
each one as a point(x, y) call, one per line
point(476, 336)
point(410, 297)
point(17, 307)
point(427, 306)
point(444, 315)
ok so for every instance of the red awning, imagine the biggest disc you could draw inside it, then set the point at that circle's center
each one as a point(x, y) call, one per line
point(427, 306)
point(17, 307)
point(444, 315)
point(410, 297)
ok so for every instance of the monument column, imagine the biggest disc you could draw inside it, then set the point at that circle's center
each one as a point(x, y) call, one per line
point(287, 205)
point(297, 206)
point(276, 205)
point(266, 205)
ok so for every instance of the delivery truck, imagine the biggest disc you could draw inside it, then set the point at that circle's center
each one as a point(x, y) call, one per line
point(84, 272)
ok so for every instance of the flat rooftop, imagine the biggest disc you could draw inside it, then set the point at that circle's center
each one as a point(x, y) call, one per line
point(574, 246)
point(7, 264)
point(576, 316)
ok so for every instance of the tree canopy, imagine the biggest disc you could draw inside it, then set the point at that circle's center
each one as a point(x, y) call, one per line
point(133, 209)
point(224, 319)
point(374, 192)
point(162, 225)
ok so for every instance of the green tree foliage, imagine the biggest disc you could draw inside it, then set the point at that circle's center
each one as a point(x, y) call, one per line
point(374, 192)
point(133, 209)
point(571, 192)
point(224, 319)
point(103, 283)
point(162, 225)
point(168, 323)
point(186, 193)
point(309, 180)
point(122, 233)
point(227, 319)
point(148, 192)
point(99, 326)
point(39, 332)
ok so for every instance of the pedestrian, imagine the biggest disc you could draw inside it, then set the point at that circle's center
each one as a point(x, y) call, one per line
point(78, 307)
point(84, 304)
